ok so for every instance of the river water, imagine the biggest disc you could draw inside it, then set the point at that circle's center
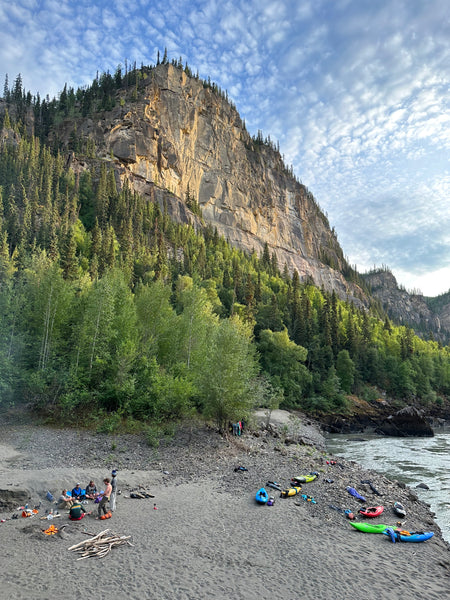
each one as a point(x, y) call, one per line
point(409, 460)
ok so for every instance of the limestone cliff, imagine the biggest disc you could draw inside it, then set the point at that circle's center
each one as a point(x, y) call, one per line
point(177, 136)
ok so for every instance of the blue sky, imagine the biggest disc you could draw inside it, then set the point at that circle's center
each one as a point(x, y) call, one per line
point(355, 91)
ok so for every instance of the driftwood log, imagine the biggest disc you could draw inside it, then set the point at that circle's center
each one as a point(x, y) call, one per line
point(101, 544)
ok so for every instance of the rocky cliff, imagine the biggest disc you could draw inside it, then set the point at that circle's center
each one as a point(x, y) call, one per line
point(414, 310)
point(176, 138)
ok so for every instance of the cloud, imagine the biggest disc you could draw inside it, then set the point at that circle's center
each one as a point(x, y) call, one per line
point(355, 91)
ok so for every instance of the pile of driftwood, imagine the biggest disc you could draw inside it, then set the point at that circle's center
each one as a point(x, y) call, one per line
point(101, 544)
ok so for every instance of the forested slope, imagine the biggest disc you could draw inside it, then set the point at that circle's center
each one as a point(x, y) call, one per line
point(111, 310)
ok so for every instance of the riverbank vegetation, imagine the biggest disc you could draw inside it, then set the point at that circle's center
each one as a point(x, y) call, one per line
point(107, 307)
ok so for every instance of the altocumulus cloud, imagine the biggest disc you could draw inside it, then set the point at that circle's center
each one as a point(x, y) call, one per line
point(355, 91)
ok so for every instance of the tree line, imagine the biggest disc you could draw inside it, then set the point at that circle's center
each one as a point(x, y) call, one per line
point(110, 308)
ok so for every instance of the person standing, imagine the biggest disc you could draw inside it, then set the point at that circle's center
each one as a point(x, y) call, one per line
point(105, 498)
point(114, 490)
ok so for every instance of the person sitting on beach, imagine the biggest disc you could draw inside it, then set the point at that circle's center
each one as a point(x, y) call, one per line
point(65, 501)
point(77, 511)
point(78, 493)
point(105, 498)
point(91, 490)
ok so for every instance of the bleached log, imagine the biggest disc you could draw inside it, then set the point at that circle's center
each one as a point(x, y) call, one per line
point(91, 540)
point(101, 544)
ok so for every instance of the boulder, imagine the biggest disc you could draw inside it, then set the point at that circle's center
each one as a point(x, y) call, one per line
point(406, 422)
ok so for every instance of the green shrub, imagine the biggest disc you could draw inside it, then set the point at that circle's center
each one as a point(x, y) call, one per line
point(110, 423)
point(153, 436)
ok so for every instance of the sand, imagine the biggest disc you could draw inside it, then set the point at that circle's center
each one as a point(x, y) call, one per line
point(207, 537)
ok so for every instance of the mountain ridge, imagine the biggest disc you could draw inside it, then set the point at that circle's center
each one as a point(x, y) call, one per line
point(415, 310)
point(181, 137)
point(179, 141)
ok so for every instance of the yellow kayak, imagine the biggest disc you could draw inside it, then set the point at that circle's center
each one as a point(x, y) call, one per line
point(293, 491)
point(304, 478)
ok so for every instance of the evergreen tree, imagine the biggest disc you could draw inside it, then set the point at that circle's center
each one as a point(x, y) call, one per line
point(69, 261)
point(6, 93)
point(266, 257)
point(345, 370)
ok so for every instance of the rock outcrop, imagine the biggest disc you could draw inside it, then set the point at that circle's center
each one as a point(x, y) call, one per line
point(409, 308)
point(406, 422)
point(180, 139)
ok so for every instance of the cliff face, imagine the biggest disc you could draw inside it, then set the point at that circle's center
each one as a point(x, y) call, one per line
point(411, 309)
point(184, 138)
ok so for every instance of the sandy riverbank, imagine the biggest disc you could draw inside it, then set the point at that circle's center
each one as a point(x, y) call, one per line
point(208, 538)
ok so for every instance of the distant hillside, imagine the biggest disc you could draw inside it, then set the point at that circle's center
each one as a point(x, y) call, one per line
point(427, 316)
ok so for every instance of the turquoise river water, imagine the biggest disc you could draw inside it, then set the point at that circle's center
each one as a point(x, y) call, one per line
point(409, 460)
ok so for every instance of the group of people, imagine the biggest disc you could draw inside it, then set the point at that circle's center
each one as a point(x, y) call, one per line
point(74, 500)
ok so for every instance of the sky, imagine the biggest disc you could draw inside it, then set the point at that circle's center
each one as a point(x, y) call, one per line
point(356, 92)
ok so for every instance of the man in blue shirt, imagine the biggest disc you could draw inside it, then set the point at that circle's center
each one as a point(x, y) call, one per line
point(77, 493)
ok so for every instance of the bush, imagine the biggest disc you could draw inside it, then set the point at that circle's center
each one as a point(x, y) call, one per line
point(317, 404)
point(110, 424)
point(369, 394)
point(153, 436)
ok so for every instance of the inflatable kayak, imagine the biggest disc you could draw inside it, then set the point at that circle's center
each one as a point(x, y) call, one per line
point(399, 509)
point(262, 496)
point(304, 478)
point(370, 527)
point(293, 491)
point(371, 511)
point(397, 535)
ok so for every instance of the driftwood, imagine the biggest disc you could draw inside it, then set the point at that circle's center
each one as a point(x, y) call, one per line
point(101, 544)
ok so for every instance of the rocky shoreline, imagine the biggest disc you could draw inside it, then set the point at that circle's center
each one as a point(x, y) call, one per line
point(287, 446)
point(384, 418)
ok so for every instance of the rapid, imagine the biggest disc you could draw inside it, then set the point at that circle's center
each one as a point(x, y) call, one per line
point(409, 460)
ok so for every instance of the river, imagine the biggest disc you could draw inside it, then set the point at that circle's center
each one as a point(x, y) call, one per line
point(409, 460)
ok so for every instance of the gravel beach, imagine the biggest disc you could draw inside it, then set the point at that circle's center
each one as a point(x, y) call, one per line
point(203, 535)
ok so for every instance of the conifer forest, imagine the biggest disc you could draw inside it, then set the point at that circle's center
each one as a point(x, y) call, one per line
point(111, 313)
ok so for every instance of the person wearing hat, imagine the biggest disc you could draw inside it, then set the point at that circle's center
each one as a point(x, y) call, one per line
point(77, 493)
point(112, 500)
